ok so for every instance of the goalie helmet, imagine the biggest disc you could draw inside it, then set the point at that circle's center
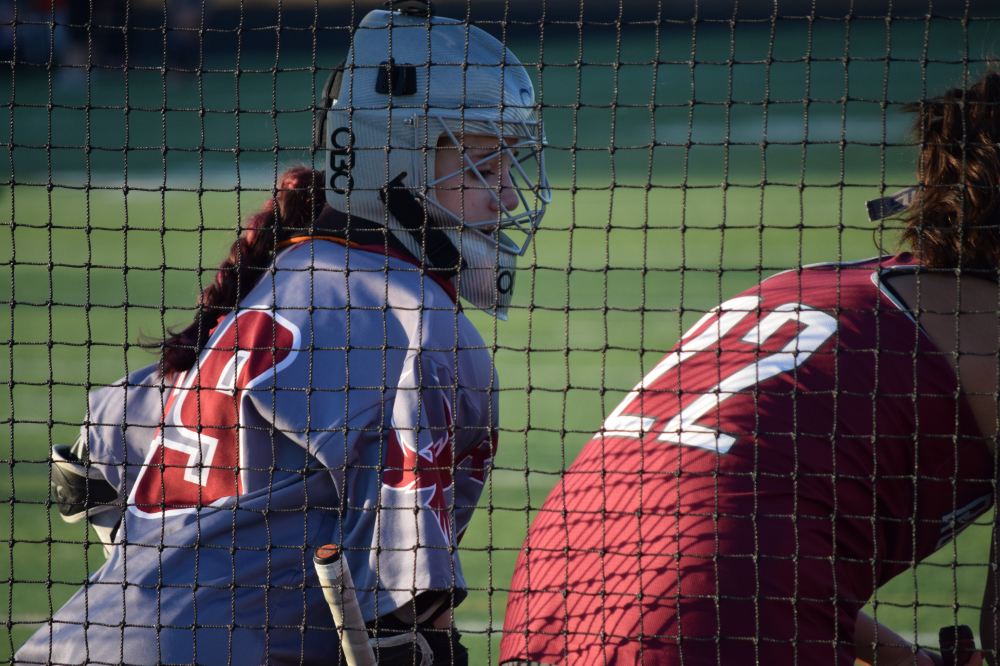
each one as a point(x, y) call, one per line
point(407, 82)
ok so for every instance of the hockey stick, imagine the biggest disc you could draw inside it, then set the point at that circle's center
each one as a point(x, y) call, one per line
point(338, 588)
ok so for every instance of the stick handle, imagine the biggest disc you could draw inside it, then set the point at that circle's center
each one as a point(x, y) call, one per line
point(338, 589)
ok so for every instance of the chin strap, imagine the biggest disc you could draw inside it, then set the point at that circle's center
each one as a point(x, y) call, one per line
point(441, 253)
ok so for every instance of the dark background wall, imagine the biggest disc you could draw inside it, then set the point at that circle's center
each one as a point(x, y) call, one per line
point(634, 93)
point(56, 31)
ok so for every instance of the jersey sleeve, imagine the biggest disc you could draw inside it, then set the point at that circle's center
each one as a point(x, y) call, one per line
point(115, 445)
point(408, 433)
point(437, 454)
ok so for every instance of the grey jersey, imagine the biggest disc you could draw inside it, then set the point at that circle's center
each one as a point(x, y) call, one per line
point(338, 406)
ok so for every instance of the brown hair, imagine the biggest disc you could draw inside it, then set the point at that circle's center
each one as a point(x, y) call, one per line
point(298, 200)
point(953, 222)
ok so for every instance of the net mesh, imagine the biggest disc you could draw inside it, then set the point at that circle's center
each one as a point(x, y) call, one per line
point(693, 151)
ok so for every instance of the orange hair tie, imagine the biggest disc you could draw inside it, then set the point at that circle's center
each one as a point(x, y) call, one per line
point(303, 239)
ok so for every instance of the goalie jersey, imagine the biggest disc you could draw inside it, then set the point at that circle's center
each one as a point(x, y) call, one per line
point(334, 405)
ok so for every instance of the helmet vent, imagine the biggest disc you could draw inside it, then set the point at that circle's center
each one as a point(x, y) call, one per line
point(427, 10)
point(400, 80)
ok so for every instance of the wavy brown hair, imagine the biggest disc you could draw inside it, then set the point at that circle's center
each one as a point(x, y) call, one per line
point(953, 222)
point(298, 200)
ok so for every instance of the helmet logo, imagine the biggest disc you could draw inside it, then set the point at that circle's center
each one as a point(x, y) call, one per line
point(341, 160)
point(526, 97)
point(505, 282)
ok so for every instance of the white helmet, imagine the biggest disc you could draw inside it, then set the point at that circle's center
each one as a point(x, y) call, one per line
point(408, 80)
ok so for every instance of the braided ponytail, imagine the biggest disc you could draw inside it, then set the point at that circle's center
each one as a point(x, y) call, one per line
point(297, 204)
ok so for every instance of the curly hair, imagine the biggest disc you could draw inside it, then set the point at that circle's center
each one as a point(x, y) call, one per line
point(296, 205)
point(954, 221)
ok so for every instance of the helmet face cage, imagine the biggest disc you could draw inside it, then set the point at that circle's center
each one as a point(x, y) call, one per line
point(519, 141)
point(444, 81)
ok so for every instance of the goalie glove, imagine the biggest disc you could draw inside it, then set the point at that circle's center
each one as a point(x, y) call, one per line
point(398, 643)
point(82, 493)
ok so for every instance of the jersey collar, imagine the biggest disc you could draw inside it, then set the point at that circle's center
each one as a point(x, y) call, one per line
point(361, 234)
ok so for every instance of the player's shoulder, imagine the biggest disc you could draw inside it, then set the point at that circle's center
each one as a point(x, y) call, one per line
point(112, 396)
point(832, 285)
point(377, 279)
point(140, 395)
point(377, 295)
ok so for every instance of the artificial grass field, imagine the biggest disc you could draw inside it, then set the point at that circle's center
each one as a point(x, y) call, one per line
point(613, 277)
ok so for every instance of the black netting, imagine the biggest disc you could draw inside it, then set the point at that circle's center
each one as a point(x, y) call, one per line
point(795, 460)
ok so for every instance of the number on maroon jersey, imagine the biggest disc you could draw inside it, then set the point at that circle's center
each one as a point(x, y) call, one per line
point(187, 469)
point(634, 419)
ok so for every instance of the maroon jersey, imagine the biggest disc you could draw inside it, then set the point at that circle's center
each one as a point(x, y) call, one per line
point(804, 443)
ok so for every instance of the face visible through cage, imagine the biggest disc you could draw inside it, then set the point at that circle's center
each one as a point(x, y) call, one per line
point(462, 192)
point(490, 177)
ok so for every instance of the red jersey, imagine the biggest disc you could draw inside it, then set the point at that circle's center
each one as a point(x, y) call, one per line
point(801, 445)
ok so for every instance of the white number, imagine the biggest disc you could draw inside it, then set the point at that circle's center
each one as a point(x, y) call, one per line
point(202, 451)
point(635, 425)
point(818, 327)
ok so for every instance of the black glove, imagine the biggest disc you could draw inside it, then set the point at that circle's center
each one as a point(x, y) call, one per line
point(402, 644)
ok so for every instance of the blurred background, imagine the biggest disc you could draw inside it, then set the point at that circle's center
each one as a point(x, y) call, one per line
point(696, 147)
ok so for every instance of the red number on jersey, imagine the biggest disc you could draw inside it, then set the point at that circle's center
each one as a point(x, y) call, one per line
point(187, 469)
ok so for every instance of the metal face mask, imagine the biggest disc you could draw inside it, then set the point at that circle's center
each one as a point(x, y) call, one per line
point(521, 145)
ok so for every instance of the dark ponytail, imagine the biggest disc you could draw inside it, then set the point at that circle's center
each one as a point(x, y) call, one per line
point(953, 222)
point(298, 202)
